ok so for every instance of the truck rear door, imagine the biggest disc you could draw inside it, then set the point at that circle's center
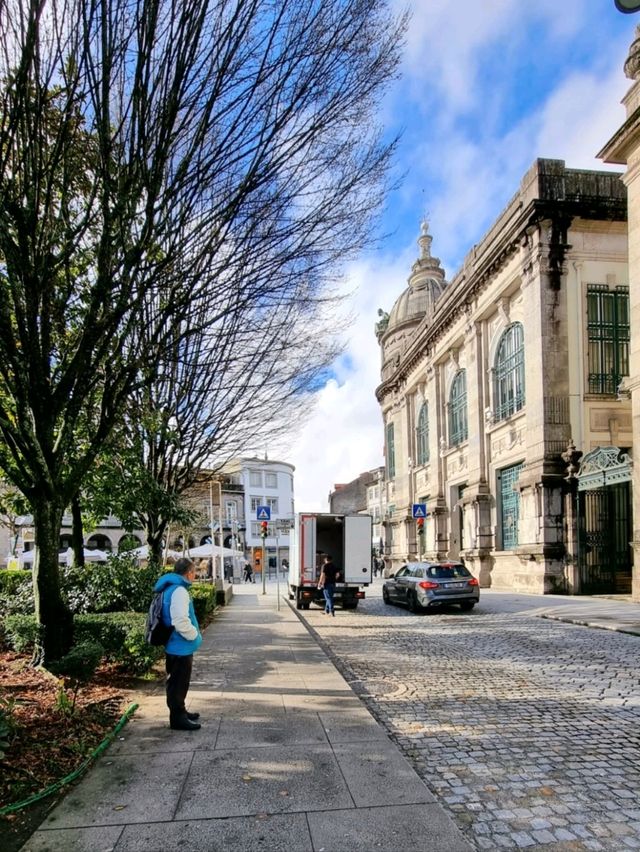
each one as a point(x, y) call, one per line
point(357, 549)
point(307, 549)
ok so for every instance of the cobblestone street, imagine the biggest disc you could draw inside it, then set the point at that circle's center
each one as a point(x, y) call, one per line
point(527, 730)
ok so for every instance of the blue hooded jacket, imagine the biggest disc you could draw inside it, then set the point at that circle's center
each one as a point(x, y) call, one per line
point(176, 643)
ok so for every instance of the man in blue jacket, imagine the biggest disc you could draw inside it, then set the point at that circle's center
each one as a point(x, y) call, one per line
point(177, 610)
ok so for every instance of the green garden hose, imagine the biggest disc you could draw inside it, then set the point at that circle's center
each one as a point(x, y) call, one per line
point(77, 772)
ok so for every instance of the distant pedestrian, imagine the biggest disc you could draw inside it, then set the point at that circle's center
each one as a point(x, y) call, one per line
point(248, 572)
point(177, 610)
point(327, 583)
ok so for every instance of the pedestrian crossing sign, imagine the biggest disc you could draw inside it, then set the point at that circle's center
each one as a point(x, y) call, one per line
point(264, 513)
point(419, 510)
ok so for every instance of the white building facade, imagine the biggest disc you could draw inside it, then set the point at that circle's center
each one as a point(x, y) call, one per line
point(265, 483)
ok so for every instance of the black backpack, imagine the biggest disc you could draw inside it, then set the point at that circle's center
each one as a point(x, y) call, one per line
point(156, 631)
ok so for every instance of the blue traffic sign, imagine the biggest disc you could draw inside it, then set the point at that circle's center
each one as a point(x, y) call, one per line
point(263, 513)
point(419, 510)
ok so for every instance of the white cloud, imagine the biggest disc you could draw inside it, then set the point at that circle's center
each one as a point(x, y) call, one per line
point(343, 437)
point(580, 116)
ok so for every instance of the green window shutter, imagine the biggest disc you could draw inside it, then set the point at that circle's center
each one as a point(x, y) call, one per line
point(608, 335)
point(422, 435)
point(509, 372)
point(391, 452)
point(458, 424)
point(509, 506)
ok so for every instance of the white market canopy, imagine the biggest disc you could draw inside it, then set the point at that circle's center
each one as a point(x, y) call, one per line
point(89, 555)
point(204, 551)
point(66, 556)
point(142, 552)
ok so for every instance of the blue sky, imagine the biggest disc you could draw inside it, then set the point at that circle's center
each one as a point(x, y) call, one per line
point(487, 86)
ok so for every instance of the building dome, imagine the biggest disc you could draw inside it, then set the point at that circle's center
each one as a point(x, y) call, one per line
point(426, 283)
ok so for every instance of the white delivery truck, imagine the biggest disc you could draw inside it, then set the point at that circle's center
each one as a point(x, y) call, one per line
point(346, 539)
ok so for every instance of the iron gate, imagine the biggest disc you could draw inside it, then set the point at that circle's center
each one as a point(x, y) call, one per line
point(605, 533)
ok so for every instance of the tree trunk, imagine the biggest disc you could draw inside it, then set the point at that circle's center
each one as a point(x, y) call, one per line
point(155, 531)
point(77, 533)
point(52, 614)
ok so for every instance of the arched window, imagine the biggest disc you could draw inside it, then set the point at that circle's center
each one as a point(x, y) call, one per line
point(509, 372)
point(391, 452)
point(422, 435)
point(458, 425)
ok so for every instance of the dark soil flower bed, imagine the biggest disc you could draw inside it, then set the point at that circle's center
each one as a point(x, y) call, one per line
point(46, 744)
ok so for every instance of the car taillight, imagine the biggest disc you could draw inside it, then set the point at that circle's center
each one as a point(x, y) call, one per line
point(473, 582)
point(427, 584)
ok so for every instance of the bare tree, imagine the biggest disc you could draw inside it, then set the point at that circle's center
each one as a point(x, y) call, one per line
point(164, 164)
point(242, 383)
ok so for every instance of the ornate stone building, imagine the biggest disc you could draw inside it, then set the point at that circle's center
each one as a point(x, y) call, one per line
point(496, 383)
point(624, 149)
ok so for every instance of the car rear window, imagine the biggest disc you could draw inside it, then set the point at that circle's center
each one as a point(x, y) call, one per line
point(447, 572)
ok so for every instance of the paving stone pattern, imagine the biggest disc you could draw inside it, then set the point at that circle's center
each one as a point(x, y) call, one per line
point(526, 730)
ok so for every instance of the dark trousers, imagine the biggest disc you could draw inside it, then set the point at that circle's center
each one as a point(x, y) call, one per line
point(178, 680)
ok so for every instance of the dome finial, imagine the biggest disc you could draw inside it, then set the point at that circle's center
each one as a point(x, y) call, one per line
point(425, 239)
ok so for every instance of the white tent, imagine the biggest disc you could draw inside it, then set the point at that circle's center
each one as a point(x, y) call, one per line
point(142, 552)
point(66, 557)
point(204, 552)
point(26, 558)
point(89, 556)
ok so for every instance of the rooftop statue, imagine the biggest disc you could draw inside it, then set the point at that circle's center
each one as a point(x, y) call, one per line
point(381, 326)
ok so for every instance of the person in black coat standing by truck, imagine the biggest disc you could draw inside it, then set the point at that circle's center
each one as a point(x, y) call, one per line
point(327, 583)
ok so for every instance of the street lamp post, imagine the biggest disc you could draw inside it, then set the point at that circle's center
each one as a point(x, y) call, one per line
point(234, 535)
point(213, 540)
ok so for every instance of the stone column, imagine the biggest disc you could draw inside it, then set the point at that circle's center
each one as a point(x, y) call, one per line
point(571, 457)
point(541, 545)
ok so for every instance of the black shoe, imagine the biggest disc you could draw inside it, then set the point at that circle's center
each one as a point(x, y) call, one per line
point(193, 717)
point(185, 724)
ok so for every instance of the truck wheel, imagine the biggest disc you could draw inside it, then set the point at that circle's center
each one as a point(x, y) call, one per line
point(352, 604)
point(298, 602)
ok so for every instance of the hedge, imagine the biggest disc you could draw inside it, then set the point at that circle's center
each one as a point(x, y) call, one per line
point(21, 632)
point(12, 578)
point(121, 634)
point(204, 597)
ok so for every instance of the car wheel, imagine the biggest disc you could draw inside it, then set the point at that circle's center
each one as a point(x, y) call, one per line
point(385, 595)
point(467, 606)
point(413, 602)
